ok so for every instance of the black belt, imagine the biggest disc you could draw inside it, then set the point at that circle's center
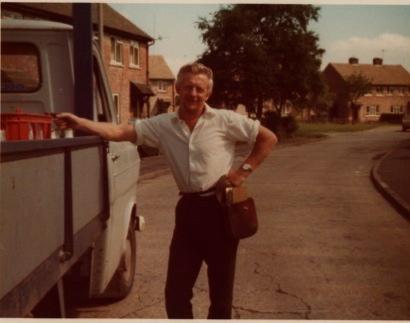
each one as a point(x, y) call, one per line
point(209, 192)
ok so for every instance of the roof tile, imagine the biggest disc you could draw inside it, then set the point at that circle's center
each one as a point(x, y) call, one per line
point(377, 74)
point(159, 69)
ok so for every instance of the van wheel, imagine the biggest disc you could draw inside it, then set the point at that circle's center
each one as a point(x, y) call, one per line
point(123, 279)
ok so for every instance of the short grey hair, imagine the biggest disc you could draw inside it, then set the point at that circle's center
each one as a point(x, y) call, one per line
point(196, 68)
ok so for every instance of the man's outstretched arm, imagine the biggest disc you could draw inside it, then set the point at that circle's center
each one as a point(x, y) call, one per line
point(106, 130)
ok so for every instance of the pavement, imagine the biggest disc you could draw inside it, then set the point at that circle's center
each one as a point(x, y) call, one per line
point(391, 175)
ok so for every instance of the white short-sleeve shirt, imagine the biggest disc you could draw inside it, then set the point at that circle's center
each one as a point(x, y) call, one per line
point(199, 158)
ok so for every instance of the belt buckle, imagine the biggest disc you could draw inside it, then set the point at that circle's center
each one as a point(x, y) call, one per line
point(206, 194)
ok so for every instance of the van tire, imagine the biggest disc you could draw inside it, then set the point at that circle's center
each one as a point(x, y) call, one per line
point(122, 281)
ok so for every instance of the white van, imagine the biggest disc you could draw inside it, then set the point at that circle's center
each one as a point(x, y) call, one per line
point(66, 203)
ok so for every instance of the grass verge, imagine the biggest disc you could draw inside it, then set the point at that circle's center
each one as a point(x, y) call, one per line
point(316, 130)
point(308, 132)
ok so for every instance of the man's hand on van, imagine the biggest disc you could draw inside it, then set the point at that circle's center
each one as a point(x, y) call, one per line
point(106, 130)
point(67, 120)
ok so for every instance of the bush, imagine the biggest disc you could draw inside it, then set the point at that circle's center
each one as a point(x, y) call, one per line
point(391, 117)
point(271, 120)
point(281, 126)
point(289, 125)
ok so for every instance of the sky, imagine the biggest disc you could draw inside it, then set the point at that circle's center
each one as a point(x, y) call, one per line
point(362, 31)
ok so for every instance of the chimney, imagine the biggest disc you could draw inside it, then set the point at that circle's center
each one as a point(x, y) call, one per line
point(353, 60)
point(377, 61)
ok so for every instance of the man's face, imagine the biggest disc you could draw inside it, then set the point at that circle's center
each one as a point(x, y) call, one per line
point(193, 91)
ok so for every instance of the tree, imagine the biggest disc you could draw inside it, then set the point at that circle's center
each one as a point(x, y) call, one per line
point(355, 86)
point(319, 99)
point(323, 102)
point(260, 52)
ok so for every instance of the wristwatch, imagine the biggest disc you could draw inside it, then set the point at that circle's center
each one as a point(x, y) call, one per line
point(247, 168)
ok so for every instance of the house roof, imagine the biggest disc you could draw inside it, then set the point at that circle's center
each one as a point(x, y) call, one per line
point(159, 69)
point(63, 12)
point(377, 74)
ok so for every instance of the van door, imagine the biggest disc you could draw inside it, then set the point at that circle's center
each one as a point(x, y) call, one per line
point(123, 171)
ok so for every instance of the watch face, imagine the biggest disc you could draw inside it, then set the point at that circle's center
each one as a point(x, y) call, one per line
point(247, 167)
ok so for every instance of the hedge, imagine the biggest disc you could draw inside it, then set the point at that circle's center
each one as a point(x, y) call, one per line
point(391, 117)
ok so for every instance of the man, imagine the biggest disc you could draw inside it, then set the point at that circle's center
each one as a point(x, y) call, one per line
point(199, 144)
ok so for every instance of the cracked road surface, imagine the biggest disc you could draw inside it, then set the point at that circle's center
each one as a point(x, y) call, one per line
point(329, 246)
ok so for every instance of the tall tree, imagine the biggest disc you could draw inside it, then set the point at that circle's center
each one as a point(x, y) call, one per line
point(261, 52)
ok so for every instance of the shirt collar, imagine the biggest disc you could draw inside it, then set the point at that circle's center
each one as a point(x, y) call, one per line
point(209, 113)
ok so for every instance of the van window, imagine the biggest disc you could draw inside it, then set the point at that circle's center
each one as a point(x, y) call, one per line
point(101, 104)
point(20, 67)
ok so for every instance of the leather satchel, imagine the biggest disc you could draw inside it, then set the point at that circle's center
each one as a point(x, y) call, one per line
point(241, 220)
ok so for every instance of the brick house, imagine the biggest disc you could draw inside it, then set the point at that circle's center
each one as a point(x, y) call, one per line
point(390, 89)
point(162, 82)
point(125, 51)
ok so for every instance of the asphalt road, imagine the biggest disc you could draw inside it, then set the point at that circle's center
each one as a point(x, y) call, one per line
point(329, 245)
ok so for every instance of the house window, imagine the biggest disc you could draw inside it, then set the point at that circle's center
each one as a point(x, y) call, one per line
point(396, 109)
point(162, 86)
point(116, 51)
point(370, 92)
point(401, 90)
point(379, 90)
point(116, 99)
point(134, 54)
point(372, 110)
point(390, 90)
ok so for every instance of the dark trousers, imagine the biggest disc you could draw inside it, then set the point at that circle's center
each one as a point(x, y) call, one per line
point(199, 236)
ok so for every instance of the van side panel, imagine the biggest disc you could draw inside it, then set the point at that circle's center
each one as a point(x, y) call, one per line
point(32, 216)
point(47, 223)
point(87, 181)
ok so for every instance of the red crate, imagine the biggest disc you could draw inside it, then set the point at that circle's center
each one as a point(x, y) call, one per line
point(26, 126)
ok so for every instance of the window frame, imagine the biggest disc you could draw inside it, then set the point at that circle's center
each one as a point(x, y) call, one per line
point(134, 46)
point(162, 86)
point(396, 109)
point(401, 90)
point(379, 91)
point(117, 49)
point(372, 111)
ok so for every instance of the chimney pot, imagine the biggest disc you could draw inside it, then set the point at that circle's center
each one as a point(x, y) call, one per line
point(377, 61)
point(353, 60)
